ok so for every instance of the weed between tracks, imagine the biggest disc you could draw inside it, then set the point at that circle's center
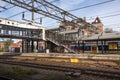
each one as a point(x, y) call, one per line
point(25, 73)
point(17, 72)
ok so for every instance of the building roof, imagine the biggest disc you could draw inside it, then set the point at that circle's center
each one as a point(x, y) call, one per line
point(54, 28)
point(102, 36)
point(14, 45)
point(97, 20)
point(17, 44)
point(68, 32)
point(2, 41)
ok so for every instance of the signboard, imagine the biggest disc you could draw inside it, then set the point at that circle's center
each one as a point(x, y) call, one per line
point(113, 46)
point(74, 60)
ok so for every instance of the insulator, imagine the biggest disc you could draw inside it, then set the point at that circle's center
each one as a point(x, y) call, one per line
point(23, 15)
point(41, 20)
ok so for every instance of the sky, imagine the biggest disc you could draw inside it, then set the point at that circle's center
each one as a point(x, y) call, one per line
point(109, 13)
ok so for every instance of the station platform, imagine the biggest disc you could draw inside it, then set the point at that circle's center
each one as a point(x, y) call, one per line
point(66, 55)
point(77, 56)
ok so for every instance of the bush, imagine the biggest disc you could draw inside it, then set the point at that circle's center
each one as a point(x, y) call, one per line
point(2, 50)
point(18, 71)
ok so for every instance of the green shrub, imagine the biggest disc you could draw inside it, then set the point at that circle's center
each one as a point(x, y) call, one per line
point(18, 71)
point(2, 50)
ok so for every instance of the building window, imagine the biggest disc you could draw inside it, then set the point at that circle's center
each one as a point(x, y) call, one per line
point(12, 23)
point(8, 22)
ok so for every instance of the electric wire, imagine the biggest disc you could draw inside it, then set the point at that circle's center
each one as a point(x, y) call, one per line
point(16, 14)
point(108, 16)
point(68, 10)
point(88, 6)
point(25, 10)
point(91, 5)
point(9, 7)
point(74, 9)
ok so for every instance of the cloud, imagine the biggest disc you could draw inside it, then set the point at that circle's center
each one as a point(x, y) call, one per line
point(68, 4)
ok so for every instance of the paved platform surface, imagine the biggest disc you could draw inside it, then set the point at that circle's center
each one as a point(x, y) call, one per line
point(65, 55)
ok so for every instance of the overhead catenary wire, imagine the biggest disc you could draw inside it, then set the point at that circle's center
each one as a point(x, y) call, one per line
point(109, 12)
point(107, 16)
point(68, 10)
point(24, 11)
point(8, 7)
point(91, 5)
point(75, 9)
point(114, 24)
point(3, 7)
point(88, 6)
point(110, 15)
point(112, 12)
point(54, 1)
point(16, 14)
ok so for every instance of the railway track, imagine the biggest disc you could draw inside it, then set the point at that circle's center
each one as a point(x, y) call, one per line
point(113, 64)
point(5, 78)
point(50, 58)
point(110, 73)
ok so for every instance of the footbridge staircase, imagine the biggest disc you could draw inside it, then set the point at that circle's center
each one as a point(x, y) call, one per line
point(60, 41)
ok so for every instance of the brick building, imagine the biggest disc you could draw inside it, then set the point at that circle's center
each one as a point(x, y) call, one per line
point(2, 46)
point(97, 23)
point(16, 47)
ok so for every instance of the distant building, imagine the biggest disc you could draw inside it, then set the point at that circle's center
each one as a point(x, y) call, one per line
point(16, 47)
point(69, 33)
point(2, 46)
point(98, 24)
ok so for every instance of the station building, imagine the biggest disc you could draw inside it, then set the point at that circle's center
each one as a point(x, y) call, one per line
point(70, 35)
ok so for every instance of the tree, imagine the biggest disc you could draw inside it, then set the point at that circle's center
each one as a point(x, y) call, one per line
point(7, 43)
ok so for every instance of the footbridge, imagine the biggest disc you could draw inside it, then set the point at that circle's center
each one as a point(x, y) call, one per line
point(27, 32)
point(19, 30)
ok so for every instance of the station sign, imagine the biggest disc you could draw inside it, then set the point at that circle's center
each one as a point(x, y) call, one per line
point(113, 46)
point(74, 60)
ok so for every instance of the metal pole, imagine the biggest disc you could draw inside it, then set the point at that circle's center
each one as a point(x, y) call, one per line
point(37, 47)
point(32, 11)
point(22, 46)
point(83, 46)
point(97, 46)
point(105, 46)
point(27, 45)
point(102, 46)
point(32, 46)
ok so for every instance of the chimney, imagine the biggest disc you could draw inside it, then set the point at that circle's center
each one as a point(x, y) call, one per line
point(84, 18)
